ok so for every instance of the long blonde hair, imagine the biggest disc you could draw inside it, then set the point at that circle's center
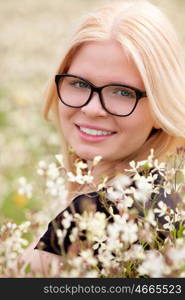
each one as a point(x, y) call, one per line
point(149, 38)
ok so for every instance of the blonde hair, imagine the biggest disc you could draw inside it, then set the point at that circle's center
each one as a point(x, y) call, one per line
point(149, 38)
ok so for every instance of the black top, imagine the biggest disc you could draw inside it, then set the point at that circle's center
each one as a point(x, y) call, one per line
point(80, 204)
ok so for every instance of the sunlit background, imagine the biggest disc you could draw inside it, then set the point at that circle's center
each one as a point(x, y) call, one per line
point(32, 36)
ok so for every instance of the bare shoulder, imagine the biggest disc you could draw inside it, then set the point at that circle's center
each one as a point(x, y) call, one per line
point(39, 261)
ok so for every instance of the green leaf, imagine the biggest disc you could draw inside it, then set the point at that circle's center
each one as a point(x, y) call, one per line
point(179, 176)
point(180, 231)
point(27, 269)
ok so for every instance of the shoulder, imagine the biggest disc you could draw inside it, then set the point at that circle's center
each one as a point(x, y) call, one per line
point(39, 261)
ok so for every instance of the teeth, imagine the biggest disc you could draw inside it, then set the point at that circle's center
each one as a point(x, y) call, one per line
point(95, 132)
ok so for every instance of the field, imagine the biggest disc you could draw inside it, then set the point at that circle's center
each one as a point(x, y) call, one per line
point(32, 37)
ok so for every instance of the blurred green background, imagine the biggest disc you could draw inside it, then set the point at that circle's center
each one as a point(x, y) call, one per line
point(32, 36)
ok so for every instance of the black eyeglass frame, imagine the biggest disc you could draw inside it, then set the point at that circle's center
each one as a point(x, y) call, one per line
point(139, 94)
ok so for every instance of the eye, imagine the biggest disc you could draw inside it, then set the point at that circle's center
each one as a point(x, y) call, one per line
point(79, 84)
point(124, 92)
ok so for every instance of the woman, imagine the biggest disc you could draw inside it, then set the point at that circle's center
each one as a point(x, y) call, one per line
point(119, 91)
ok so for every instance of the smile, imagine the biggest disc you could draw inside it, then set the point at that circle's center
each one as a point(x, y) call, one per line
point(93, 135)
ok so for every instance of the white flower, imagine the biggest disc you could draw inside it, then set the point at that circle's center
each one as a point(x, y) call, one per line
point(74, 234)
point(9, 225)
point(88, 257)
point(108, 260)
point(66, 221)
point(81, 179)
point(113, 195)
point(170, 223)
point(151, 218)
point(113, 243)
point(59, 158)
point(160, 167)
point(180, 213)
point(177, 256)
point(103, 184)
point(121, 182)
point(129, 232)
point(91, 274)
point(74, 273)
point(93, 223)
point(145, 183)
point(60, 236)
point(167, 188)
point(123, 229)
point(182, 274)
point(145, 187)
point(171, 220)
point(77, 263)
point(105, 257)
point(59, 233)
point(150, 162)
point(118, 190)
point(83, 262)
point(153, 265)
point(53, 171)
point(88, 178)
point(13, 244)
point(25, 188)
point(41, 167)
point(162, 209)
point(135, 252)
point(100, 242)
point(133, 166)
point(80, 165)
point(55, 188)
point(125, 203)
point(24, 226)
point(71, 176)
point(96, 160)
point(119, 221)
point(151, 155)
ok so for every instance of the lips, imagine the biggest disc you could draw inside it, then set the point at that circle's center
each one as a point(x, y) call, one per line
point(92, 138)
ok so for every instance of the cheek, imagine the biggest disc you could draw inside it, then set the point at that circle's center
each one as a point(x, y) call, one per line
point(64, 120)
point(139, 124)
point(65, 115)
point(142, 115)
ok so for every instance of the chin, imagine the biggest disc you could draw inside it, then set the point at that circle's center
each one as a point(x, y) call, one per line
point(87, 155)
point(90, 156)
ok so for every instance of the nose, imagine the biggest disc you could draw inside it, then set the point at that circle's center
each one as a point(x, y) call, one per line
point(94, 107)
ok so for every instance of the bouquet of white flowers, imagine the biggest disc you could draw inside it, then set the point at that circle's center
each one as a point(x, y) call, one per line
point(140, 232)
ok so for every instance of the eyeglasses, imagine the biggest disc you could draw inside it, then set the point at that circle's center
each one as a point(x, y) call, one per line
point(116, 99)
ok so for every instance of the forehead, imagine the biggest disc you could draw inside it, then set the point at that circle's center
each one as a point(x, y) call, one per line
point(105, 61)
